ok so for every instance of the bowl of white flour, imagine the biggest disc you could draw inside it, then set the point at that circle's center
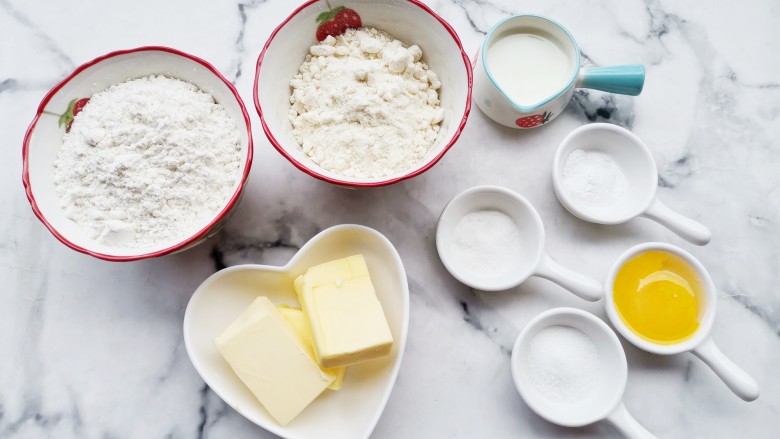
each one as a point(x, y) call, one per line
point(373, 102)
point(138, 154)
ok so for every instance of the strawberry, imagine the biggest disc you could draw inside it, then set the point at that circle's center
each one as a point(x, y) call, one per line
point(334, 22)
point(331, 28)
point(79, 105)
point(349, 18)
point(533, 121)
point(74, 107)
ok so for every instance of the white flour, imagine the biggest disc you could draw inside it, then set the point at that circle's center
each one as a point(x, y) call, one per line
point(563, 364)
point(486, 243)
point(364, 106)
point(593, 179)
point(147, 161)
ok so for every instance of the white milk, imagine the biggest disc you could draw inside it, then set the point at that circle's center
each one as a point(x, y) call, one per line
point(528, 67)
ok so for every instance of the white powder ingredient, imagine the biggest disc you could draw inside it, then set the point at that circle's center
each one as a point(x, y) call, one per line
point(593, 179)
point(147, 161)
point(364, 105)
point(563, 364)
point(486, 243)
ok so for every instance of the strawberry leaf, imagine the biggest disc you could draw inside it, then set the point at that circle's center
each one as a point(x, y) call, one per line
point(328, 15)
point(63, 120)
point(67, 116)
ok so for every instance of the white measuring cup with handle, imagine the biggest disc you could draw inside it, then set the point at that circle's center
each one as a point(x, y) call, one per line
point(700, 343)
point(633, 157)
point(606, 400)
point(535, 261)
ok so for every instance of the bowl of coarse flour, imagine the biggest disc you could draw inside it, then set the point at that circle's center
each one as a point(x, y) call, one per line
point(363, 93)
point(137, 154)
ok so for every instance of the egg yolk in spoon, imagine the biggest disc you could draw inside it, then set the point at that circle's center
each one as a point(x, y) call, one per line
point(658, 296)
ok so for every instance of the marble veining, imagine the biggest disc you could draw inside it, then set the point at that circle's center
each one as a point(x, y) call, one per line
point(90, 349)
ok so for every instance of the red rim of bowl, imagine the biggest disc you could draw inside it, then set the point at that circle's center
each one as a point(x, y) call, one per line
point(316, 174)
point(178, 246)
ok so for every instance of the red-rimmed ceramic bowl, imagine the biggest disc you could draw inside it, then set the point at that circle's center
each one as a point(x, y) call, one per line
point(44, 139)
point(408, 20)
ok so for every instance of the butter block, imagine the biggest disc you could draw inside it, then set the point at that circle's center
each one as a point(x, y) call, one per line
point(297, 319)
point(347, 323)
point(269, 358)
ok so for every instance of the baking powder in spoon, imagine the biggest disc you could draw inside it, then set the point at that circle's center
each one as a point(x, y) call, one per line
point(593, 179)
point(486, 243)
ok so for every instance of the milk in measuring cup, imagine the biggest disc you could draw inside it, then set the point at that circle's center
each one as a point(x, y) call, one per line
point(528, 67)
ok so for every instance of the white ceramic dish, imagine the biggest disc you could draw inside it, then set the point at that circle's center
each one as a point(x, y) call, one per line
point(410, 21)
point(635, 160)
point(700, 343)
point(44, 139)
point(351, 412)
point(535, 261)
point(606, 403)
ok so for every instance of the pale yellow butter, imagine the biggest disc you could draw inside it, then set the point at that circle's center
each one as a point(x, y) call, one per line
point(297, 319)
point(269, 358)
point(347, 322)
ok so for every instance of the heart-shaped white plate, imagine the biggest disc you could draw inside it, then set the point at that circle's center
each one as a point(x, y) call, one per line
point(351, 412)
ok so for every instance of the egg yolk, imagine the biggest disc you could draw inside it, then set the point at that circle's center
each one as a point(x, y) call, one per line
point(658, 296)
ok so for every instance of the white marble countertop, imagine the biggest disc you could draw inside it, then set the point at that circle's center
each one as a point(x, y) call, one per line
point(91, 349)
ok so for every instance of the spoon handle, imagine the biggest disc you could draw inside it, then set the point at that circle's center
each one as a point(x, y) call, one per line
point(579, 284)
point(685, 227)
point(735, 378)
point(621, 419)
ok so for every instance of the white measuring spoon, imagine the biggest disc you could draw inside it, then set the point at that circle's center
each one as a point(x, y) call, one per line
point(534, 260)
point(634, 159)
point(606, 400)
point(700, 343)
